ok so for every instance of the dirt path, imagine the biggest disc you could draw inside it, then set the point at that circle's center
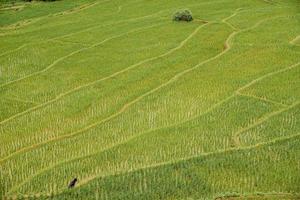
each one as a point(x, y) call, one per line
point(110, 117)
point(236, 136)
point(261, 196)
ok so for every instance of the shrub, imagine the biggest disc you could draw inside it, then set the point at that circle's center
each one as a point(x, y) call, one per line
point(183, 15)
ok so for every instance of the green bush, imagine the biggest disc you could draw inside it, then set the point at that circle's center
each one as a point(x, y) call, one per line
point(183, 15)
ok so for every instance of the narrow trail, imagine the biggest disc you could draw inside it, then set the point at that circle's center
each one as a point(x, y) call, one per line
point(230, 150)
point(65, 12)
point(82, 31)
point(14, 50)
point(236, 136)
point(262, 99)
point(110, 147)
point(270, 2)
point(74, 53)
point(20, 100)
point(18, 7)
point(227, 44)
point(123, 109)
point(116, 114)
point(62, 95)
point(87, 180)
point(261, 195)
point(126, 105)
point(293, 42)
point(225, 20)
point(106, 25)
point(119, 9)
point(263, 119)
point(101, 25)
point(266, 76)
point(110, 24)
point(78, 9)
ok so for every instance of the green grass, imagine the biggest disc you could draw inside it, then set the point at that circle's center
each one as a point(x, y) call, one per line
point(140, 107)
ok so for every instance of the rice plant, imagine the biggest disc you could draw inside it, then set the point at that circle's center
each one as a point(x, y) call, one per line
point(136, 106)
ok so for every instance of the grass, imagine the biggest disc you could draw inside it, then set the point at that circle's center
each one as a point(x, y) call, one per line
point(140, 107)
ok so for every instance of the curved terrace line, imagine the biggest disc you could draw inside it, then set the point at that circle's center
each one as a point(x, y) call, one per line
point(87, 180)
point(266, 76)
point(235, 137)
point(74, 53)
point(228, 47)
point(229, 150)
point(60, 96)
point(262, 99)
point(82, 31)
point(260, 195)
point(65, 12)
point(113, 75)
point(114, 115)
point(296, 39)
point(114, 23)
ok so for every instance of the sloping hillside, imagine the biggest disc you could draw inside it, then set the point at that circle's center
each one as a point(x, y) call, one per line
point(137, 106)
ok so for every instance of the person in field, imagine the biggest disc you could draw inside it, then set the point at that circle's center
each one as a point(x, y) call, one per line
point(73, 183)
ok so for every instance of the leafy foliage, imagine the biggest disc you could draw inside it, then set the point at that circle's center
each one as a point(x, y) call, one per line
point(184, 15)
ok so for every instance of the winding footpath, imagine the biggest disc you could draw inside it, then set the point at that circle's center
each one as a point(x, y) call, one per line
point(129, 104)
point(124, 108)
point(117, 113)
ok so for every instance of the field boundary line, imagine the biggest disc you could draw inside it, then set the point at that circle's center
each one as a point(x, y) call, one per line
point(75, 52)
point(236, 135)
point(123, 108)
point(269, 2)
point(78, 8)
point(112, 146)
point(20, 100)
point(61, 13)
point(259, 195)
point(204, 62)
point(293, 41)
point(266, 76)
point(60, 96)
point(225, 20)
point(69, 42)
point(227, 48)
point(260, 121)
point(263, 119)
point(203, 155)
point(119, 9)
point(81, 31)
point(227, 42)
point(14, 50)
point(104, 25)
point(262, 99)
point(171, 162)
point(94, 26)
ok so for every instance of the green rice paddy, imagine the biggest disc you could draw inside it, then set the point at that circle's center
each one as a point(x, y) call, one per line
point(137, 106)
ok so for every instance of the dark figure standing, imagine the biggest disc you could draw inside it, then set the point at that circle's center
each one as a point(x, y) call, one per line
point(73, 182)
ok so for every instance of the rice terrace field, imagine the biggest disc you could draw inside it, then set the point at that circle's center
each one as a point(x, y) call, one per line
point(138, 106)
